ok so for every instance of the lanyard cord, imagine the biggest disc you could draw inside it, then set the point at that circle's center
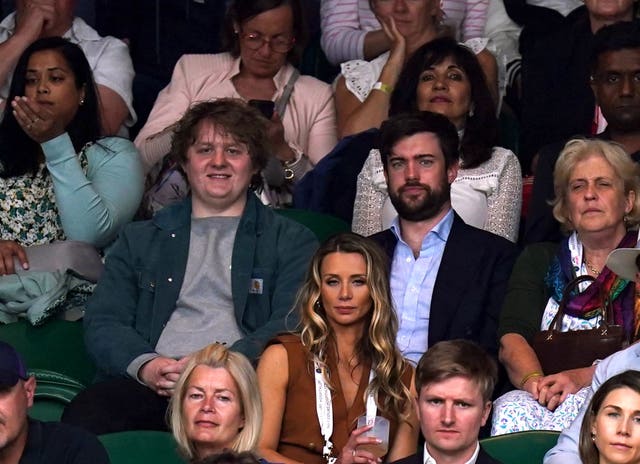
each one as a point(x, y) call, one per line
point(324, 409)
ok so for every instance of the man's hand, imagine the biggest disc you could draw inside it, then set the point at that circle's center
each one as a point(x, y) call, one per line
point(161, 374)
point(33, 18)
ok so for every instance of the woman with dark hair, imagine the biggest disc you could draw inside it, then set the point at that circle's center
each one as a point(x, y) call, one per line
point(343, 362)
point(364, 88)
point(610, 429)
point(58, 178)
point(264, 39)
point(445, 77)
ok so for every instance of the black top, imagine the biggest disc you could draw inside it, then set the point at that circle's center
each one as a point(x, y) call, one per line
point(557, 101)
point(54, 442)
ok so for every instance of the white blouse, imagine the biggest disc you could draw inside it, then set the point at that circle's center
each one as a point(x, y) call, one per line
point(488, 196)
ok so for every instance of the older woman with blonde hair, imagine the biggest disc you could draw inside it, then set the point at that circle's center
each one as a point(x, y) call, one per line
point(343, 363)
point(597, 202)
point(217, 387)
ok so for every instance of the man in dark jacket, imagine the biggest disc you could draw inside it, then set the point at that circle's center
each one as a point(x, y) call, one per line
point(448, 279)
point(217, 267)
point(454, 381)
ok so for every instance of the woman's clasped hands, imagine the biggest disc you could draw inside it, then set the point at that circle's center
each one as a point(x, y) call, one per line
point(551, 390)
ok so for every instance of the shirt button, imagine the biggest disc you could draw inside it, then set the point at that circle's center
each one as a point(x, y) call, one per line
point(173, 235)
point(170, 279)
point(408, 260)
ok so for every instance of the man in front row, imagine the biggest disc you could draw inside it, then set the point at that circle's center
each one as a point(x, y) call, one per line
point(448, 279)
point(219, 266)
point(29, 441)
point(454, 381)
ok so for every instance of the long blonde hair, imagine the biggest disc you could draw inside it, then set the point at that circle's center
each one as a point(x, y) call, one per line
point(243, 374)
point(378, 344)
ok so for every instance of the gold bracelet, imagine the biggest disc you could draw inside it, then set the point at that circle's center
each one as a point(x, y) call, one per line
point(529, 376)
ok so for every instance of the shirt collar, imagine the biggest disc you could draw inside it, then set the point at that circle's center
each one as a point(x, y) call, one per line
point(442, 229)
point(428, 459)
point(280, 79)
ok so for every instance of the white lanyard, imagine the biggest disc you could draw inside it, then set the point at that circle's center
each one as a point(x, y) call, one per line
point(324, 410)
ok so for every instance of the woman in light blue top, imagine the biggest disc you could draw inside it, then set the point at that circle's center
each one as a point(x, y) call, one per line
point(59, 179)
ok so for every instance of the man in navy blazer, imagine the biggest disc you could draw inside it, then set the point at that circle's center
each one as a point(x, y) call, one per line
point(448, 279)
point(454, 382)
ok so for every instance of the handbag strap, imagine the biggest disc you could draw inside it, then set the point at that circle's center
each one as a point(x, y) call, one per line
point(556, 323)
point(281, 103)
point(606, 310)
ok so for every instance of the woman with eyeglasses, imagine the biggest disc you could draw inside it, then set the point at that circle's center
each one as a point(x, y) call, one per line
point(264, 39)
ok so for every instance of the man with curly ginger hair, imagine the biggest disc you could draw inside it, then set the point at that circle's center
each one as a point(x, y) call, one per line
point(218, 266)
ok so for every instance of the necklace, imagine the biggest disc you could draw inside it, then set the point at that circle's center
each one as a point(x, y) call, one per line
point(593, 270)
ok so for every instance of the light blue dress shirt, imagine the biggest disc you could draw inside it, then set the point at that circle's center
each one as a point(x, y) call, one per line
point(412, 282)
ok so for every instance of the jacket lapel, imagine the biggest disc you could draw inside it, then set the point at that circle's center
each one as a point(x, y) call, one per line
point(457, 267)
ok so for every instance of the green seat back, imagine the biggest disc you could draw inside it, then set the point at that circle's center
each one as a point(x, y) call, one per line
point(137, 446)
point(322, 225)
point(53, 392)
point(520, 447)
point(56, 345)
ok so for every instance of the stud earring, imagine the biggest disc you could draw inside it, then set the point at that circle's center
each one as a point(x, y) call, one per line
point(82, 102)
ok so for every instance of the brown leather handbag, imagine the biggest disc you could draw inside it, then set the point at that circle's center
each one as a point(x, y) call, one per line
point(559, 351)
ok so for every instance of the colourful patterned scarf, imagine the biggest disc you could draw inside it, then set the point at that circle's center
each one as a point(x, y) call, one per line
point(589, 303)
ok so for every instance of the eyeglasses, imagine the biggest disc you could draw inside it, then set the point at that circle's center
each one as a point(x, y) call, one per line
point(279, 44)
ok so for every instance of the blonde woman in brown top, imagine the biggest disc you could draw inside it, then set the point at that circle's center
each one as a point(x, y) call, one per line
point(315, 384)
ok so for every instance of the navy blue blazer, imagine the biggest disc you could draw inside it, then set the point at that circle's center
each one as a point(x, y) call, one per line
point(470, 285)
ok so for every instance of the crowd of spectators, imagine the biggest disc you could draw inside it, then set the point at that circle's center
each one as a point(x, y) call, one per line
point(216, 317)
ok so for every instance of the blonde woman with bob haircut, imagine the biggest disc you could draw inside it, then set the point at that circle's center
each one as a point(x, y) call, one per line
point(218, 386)
point(315, 383)
point(597, 195)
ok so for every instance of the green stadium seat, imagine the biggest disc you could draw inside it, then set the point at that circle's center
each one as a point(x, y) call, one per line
point(138, 446)
point(322, 225)
point(56, 345)
point(53, 392)
point(520, 447)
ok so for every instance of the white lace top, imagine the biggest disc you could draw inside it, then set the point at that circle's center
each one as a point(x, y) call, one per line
point(360, 75)
point(488, 196)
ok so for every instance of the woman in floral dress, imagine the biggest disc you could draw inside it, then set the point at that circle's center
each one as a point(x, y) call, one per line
point(59, 179)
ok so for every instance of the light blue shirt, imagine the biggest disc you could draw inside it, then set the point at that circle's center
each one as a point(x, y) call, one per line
point(566, 451)
point(412, 282)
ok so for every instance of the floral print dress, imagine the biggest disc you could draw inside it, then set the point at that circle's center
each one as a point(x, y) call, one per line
point(28, 210)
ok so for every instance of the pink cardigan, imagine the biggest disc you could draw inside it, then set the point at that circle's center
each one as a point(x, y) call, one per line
point(309, 121)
